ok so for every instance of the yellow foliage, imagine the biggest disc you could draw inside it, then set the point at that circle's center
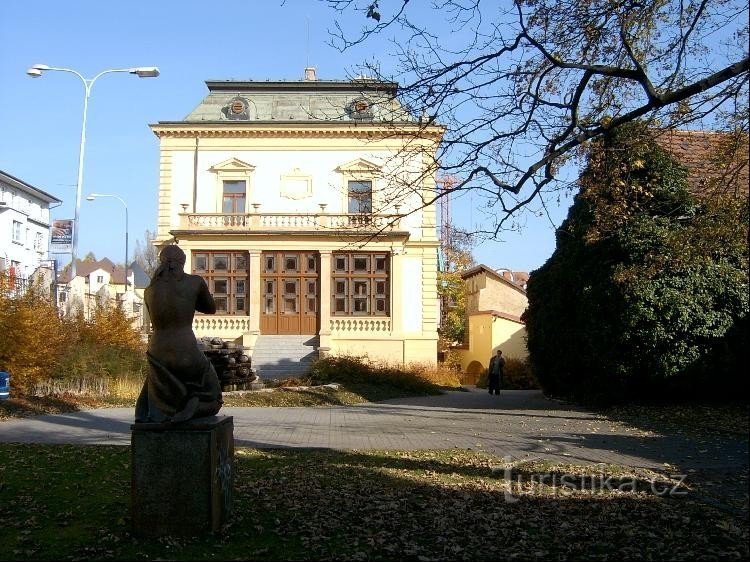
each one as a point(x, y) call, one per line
point(35, 338)
point(39, 344)
point(110, 327)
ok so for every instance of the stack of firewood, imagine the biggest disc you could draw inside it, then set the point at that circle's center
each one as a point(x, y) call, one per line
point(232, 363)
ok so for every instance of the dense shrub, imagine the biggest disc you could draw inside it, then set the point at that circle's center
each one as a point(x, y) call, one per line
point(517, 375)
point(646, 293)
point(360, 370)
point(42, 349)
point(35, 339)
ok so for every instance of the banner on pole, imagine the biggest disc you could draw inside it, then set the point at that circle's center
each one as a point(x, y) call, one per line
point(62, 234)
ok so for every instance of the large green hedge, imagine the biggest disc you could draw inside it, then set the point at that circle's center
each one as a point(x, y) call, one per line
point(646, 294)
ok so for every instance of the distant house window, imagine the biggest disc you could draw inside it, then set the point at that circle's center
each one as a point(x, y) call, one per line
point(17, 232)
point(234, 196)
point(38, 239)
point(360, 196)
point(63, 297)
point(100, 278)
point(360, 284)
point(227, 275)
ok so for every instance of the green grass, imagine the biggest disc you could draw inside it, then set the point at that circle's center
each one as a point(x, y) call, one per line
point(72, 502)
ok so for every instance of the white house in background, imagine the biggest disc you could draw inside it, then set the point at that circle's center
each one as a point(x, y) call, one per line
point(102, 283)
point(24, 226)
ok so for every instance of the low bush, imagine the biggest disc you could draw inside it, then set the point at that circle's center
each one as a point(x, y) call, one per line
point(517, 375)
point(361, 370)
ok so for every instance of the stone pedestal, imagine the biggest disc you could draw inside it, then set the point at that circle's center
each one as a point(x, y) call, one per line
point(182, 476)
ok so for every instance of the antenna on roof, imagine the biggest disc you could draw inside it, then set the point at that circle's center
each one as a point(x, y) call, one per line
point(310, 74)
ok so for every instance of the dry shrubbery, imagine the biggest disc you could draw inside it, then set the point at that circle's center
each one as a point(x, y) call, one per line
point(361, 370)
point(517, 375)
point(41, 348)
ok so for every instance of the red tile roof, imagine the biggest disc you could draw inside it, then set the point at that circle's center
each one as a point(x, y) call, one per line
point(717, 162)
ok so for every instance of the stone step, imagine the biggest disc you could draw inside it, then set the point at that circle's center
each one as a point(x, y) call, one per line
point(277, 357)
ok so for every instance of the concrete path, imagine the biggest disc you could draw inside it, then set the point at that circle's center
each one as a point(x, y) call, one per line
point(517, 425)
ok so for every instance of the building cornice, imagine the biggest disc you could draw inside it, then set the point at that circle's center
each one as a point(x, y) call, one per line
point(296, 129)
point(313, 86)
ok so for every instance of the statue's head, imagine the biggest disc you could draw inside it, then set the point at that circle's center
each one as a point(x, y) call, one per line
point(171, 263)
point(172, 254)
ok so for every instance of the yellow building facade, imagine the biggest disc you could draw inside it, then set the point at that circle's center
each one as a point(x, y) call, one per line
point(494, 306)
point(307, 207)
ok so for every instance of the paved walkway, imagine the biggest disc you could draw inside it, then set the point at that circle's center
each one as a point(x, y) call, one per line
point(517, 425)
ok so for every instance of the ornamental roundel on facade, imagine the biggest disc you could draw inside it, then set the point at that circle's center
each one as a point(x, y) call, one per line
point(237, 109)
point(360, 108)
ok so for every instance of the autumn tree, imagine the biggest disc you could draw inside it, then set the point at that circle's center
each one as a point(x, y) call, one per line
point(521, 85)
point(457, 257)
point(35, 337)
point(646, 292)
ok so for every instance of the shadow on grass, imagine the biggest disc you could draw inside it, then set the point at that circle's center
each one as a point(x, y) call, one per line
point(312, 505)
point(23, 405)
point(728, 417)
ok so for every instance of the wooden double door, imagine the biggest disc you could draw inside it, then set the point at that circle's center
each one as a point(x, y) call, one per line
point(290, 292)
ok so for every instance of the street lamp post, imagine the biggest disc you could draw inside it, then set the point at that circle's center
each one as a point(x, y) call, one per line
point(36, 71)
point(91, 197)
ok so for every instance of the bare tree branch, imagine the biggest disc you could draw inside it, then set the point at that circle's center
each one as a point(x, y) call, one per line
point(521, 86)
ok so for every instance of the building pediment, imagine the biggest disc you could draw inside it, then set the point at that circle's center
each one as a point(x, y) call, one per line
point(360, 165)
point(232, 165)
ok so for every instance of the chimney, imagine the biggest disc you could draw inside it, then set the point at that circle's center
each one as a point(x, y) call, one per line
point(310, 74)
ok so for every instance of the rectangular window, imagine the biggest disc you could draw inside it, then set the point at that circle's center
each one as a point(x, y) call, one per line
point(220, 262)
point(270, 266)
point(200, 263)
point(360, 284)
point(17, 232)
point(360, 196)
point(234, 197)
point(227, 276)
point(290, 264)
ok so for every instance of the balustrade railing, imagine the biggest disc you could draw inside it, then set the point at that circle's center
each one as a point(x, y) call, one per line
point(360, 326)
point(288, 221)
point(220, 325)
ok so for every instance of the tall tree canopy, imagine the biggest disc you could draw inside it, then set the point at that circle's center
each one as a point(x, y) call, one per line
point(647, 290)
point(520, 85)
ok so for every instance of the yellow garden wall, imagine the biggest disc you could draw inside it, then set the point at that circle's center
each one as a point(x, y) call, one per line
point(489, 332)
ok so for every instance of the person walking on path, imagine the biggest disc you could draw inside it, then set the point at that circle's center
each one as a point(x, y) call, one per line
point(495, 372)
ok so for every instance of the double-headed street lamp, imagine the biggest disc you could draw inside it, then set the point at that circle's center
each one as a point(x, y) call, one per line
point(91, 197)
point(35, 72)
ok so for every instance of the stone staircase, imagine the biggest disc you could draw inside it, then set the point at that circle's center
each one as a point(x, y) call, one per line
point(279, 357)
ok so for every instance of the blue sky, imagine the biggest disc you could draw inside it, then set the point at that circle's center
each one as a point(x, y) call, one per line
point(190, 41)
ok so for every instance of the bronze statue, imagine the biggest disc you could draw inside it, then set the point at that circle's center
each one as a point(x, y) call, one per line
point(181, 382)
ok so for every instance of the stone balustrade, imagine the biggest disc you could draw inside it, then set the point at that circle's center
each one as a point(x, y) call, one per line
point(289, 221)
point(359, 326)
point(220, 326)
point(229, 326)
